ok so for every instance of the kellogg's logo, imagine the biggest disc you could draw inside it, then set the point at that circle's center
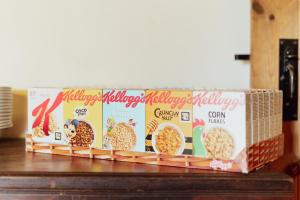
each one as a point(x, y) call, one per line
point(166, 97)
point(122, 97)
point(80, 95)
point(217, 98)
point(219, 164)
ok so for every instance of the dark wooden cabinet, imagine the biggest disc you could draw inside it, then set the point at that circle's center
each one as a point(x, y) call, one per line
point(43, 176)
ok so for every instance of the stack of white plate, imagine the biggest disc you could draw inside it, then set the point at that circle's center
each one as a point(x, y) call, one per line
point(6, 107)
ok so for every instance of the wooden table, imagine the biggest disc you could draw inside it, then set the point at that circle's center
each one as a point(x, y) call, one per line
point(43, 176)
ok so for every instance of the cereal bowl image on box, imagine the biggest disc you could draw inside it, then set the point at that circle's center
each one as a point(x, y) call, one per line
point(78, 133)
point(219, 144)
point(120, 136)
point(168, 139)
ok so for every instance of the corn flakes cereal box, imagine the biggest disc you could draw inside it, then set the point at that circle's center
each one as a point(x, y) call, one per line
point(70, 117)
point(169, 121)
point(221, 127)
point(254, 117)
point(124, 120)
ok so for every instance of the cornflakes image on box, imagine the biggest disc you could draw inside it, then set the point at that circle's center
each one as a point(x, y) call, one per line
point(124, 120)
point(169, 122)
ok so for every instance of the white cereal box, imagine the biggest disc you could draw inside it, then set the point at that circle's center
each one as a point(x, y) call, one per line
point(45, 115)
point(226, 128)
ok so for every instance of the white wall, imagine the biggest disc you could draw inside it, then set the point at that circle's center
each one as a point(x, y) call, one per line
point(124, 43)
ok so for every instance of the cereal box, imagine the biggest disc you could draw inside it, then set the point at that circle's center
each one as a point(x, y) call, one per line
point(83, 117)
point(45, 115)
point(227, 130)
point(254, 117)
point(220, 128)
point(124, 120)
point(169, 121)
point(71, 117)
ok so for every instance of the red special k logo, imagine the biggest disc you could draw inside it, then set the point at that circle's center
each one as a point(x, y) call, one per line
point(44, 110)
point(217, 98)
point(165, 97)
point(122, 97)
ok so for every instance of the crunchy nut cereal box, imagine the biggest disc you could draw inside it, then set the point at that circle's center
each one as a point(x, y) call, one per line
point(124, 120)
point(169, 121)
point(71, 117)
point(221, 126)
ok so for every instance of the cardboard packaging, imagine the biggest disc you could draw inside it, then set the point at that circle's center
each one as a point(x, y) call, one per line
point(169, 122)
point(124, 120)
point(222, 127)
point(71, 117)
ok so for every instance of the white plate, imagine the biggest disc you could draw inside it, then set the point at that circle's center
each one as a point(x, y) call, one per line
point(5, 119)
point(9, 94)
point(6, 126)
point(7, 113)
point(6, 123)
point(163, 125)
point(6, 108)
point(5, 103)
point(6, 94)
point(6, 99)
point(9, 107)
point(10, 98)
point(10, 101)
point(5, 89)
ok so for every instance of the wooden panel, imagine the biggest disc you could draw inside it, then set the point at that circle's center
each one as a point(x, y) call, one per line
point(272, 20)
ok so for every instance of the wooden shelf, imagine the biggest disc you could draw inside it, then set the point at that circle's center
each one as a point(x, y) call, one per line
point(32, 175)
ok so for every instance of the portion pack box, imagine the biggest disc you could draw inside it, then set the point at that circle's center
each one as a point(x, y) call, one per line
point(222, 127)
point(71, 117)
point(169, 121)
point(227, 130)
point(124, 120)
